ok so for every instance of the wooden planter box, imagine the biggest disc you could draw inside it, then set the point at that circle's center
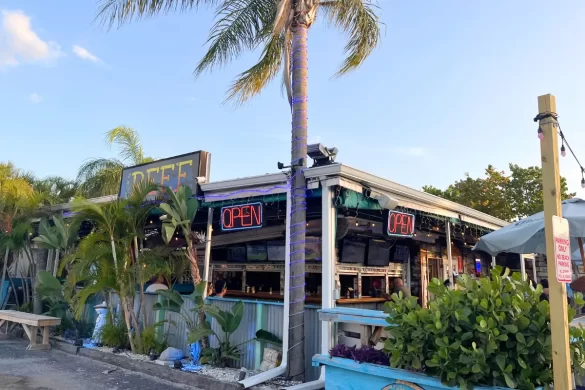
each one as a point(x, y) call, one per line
point(346, 374)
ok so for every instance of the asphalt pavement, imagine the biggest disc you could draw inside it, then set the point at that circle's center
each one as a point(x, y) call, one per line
point(55, 370)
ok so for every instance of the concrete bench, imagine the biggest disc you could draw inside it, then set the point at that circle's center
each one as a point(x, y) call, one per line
point(31, 324)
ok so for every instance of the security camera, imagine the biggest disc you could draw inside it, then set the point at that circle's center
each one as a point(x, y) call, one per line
point(385, 201)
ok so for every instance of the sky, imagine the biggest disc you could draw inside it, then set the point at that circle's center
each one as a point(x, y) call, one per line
point(452, 88)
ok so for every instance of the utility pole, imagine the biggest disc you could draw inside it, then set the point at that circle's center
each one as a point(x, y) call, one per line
point(551, 191)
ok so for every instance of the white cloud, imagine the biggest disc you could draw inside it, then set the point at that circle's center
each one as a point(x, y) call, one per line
point(19, 43)
point(84, 54)
point(35, 98)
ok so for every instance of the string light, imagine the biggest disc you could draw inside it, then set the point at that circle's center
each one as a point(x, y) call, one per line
point(540, 133)
point(563, 150)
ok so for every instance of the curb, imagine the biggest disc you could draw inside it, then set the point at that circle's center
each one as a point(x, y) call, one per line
point(151, 369)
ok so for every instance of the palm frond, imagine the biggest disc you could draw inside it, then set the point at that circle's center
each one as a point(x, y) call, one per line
point(122, 11)
point(99, 177)
point(358, 19)
point(251, 82)
point(242, 25)
point(128, 140)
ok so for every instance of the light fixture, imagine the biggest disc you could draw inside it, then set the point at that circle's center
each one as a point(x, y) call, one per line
point(540, 133)
point(563, 151)
point(357, 224)
point(583, 183)
point(321, 155)
point(373, 225)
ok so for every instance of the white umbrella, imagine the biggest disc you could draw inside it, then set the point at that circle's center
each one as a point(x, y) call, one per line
point(527, 235)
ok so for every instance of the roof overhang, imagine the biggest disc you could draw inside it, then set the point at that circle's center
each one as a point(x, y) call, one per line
point(355, 179)
point(247, 187)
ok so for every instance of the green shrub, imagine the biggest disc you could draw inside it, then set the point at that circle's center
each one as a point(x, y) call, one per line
point(494, 331)
point(114, 335)
point(150, 340)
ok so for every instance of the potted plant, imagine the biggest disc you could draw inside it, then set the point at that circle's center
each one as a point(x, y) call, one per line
point(487, 334)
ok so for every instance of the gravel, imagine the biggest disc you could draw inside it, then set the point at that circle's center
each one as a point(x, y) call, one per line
point(226, 374)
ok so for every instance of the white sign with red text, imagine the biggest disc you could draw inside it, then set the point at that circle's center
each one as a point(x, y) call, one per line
point(562, 249)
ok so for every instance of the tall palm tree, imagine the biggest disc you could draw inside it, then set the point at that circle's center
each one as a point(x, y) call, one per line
point(280, 27)
point(102, 176)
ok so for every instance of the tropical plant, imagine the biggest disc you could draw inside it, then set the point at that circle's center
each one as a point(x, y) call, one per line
point(173, 302)
point(151, 340)
point(61, 237)
point(229, 322)
point(102, 176)
point(281, 27)
point(114, 334)
point(111, 251)
point(494, 331)
point(179, 213)
point(56, 189)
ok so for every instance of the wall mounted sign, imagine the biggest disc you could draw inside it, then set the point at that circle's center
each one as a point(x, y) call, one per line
point(242, 216)
point(562, 250)
point(399, 224)
point(170, 172)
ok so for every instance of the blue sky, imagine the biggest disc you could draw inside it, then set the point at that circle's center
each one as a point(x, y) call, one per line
point(451, 89)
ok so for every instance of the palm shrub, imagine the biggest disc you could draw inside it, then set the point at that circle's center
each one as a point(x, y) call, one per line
point(114, 334)
point(493, 331)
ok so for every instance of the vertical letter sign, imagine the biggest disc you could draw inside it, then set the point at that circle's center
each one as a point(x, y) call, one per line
point(562, 250)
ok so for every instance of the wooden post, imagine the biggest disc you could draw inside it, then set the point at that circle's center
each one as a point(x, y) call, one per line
point(551, 191)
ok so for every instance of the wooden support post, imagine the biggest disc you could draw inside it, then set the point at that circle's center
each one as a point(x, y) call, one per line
point(551, 190)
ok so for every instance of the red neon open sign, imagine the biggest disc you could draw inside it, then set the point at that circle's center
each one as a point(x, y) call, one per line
point(244, 216)
point(399, 224)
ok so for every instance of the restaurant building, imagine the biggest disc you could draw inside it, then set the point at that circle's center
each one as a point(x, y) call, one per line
point(362, 232)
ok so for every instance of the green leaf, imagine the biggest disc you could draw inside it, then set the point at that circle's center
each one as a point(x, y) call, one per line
point(476, 368)
point(236, 318)
point(509, 381)
point(267, 337)
point(199, 332)
point(511, 328)
point(501, 362)
point(220, 316)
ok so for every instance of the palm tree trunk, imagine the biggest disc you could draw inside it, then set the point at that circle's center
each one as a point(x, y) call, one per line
point(56, 265)
point(114, 254)
point(4, 266)
point(141, 307)
point(192, 255)
point(40, 259)
point(296, 330)
point(127, 318)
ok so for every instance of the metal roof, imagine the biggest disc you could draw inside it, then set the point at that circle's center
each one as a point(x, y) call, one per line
point(348, 177)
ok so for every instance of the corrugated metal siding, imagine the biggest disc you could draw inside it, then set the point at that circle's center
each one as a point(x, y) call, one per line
point(312, 342)
point(274, 320)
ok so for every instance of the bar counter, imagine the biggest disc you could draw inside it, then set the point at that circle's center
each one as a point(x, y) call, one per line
point(275, 296)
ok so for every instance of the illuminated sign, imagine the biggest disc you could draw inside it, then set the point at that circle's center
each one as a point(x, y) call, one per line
point(399, 224)
point(171, 172)
point(243, 216)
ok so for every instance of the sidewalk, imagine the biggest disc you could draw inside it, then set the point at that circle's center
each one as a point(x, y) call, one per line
point(56, 370)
